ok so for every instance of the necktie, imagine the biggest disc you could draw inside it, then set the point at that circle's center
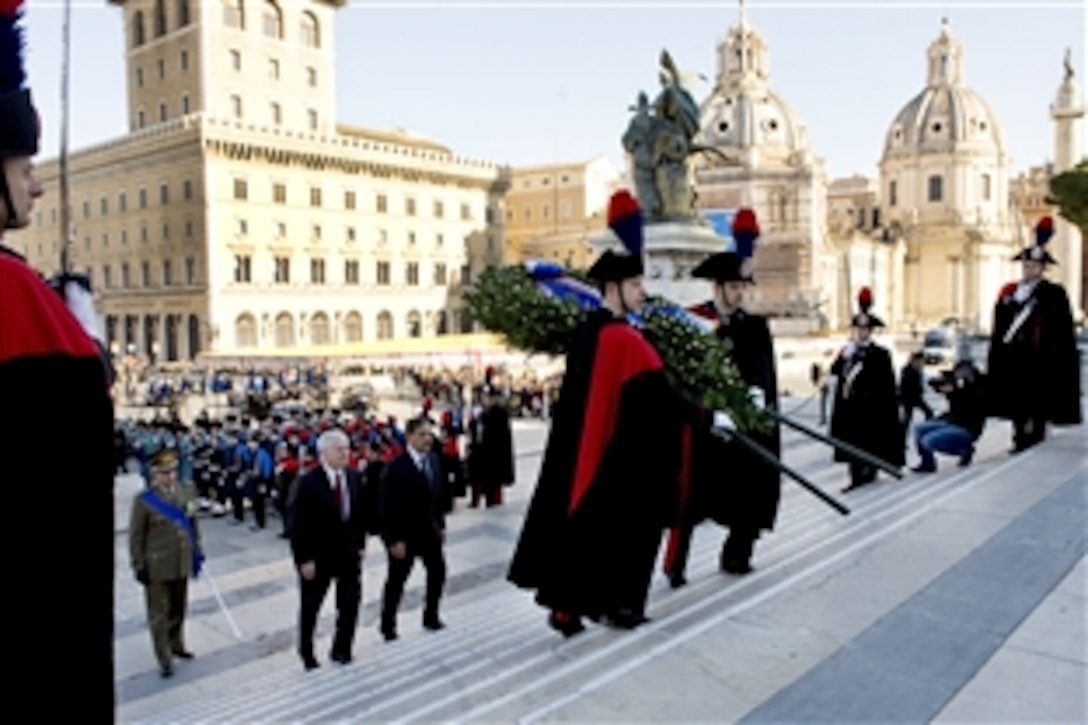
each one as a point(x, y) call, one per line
point(426, 465)
point(338, 493)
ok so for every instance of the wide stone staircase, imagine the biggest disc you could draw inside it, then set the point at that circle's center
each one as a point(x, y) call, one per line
point(712, 650)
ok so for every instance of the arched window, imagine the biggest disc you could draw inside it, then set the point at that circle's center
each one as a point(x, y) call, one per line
point(183, 13)
point(385, 325)
point(194, 336)
point(353, 327)
point(234, 14)
point(442, 326)
point(319, 329)
point(285, 330)
point(138, 29)
point(272, 19)
point(245, 330)
point(310, 32)
point(415, 324)
point(160, 18)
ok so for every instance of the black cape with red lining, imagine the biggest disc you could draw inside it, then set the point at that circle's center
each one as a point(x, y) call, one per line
point(56, 448)
point(747, 497)
point(1036, 373)
point(608, 481)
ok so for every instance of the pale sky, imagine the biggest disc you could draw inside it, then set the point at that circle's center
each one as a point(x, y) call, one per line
point(533, 82)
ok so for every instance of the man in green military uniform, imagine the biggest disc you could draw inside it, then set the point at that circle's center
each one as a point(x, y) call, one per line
point(165, 548)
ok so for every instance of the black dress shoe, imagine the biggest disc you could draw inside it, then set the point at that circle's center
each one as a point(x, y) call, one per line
point(677, 580)
point(389, 634)
point(965, 459)
point(183, 654)
point(433, 625)
point(924, 469)
point(167, 671)
point(340, 658)
point(739, 568)
point(567, 626)
point(626, 619)
point(310, 662)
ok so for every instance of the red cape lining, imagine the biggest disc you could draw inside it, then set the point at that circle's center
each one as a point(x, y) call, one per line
point(36, 321)
point(622, 354)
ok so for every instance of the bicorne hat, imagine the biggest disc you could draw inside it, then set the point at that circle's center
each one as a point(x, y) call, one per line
point(1044, 230)
point(625, 221)
point(735, 264)
point(19, 128)
point(864, 318)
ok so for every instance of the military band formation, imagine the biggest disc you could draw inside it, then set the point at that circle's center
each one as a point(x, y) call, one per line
point(600, 508)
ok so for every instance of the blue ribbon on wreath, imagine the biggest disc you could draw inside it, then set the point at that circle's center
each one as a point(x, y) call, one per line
point(553, 281)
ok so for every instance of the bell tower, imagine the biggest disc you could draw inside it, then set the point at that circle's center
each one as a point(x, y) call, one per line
point(264, 63)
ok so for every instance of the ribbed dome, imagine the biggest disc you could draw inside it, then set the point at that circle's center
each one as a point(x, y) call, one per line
point(745, 119)
point(946, 117)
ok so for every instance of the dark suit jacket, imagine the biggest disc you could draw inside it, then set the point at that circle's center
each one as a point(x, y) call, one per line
point(412, 508)
point(316, 531)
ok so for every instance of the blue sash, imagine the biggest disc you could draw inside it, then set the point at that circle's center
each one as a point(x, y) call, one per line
point(177, 517)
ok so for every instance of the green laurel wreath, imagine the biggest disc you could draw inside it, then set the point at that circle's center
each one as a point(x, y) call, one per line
point(506, 301)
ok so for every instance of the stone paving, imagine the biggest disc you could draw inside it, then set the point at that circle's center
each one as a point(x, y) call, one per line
point(952, 597)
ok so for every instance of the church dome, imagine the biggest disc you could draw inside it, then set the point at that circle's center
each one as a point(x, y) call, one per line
point(946, 117)
point(743, 117)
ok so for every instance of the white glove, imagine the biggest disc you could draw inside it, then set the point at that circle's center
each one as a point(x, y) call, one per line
point(759, 400)
point(723, 421)
point(80, 303)
point(850, 349)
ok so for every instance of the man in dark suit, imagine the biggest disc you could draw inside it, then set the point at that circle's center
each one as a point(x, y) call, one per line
point(328, 527)
point(491, 451)
point(413, 524)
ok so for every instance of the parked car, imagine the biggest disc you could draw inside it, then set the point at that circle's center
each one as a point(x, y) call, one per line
point(939, 346)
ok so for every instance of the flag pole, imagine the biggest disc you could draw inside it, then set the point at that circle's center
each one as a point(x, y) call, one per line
point(65, 201)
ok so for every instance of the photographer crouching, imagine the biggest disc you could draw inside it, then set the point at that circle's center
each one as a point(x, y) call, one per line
point(956, 431)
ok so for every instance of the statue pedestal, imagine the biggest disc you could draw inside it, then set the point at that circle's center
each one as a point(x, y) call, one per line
point(672, 250)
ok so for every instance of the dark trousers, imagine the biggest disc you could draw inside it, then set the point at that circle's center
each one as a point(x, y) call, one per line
point(166, 617)
point(737, 547)
point(490, 493)
point(1028, 430)
point(861, 474)
point(349, 589)
point(256, 490)
point(434, 560)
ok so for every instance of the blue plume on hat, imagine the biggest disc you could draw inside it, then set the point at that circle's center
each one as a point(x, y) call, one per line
point(625, 220)
point(12, 75)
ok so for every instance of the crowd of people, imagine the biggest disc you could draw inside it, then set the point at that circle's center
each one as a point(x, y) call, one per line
point(238, 465)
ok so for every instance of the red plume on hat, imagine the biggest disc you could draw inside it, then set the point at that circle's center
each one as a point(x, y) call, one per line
point(1044, 230)
point(625, 219)
point(865, 299)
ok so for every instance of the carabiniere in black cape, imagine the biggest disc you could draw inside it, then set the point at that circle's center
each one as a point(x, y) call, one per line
point(866, 409)
point(1036, 374)
point(730, 484)
point(598, 558)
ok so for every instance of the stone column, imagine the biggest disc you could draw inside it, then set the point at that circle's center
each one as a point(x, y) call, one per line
point(1067, 247)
